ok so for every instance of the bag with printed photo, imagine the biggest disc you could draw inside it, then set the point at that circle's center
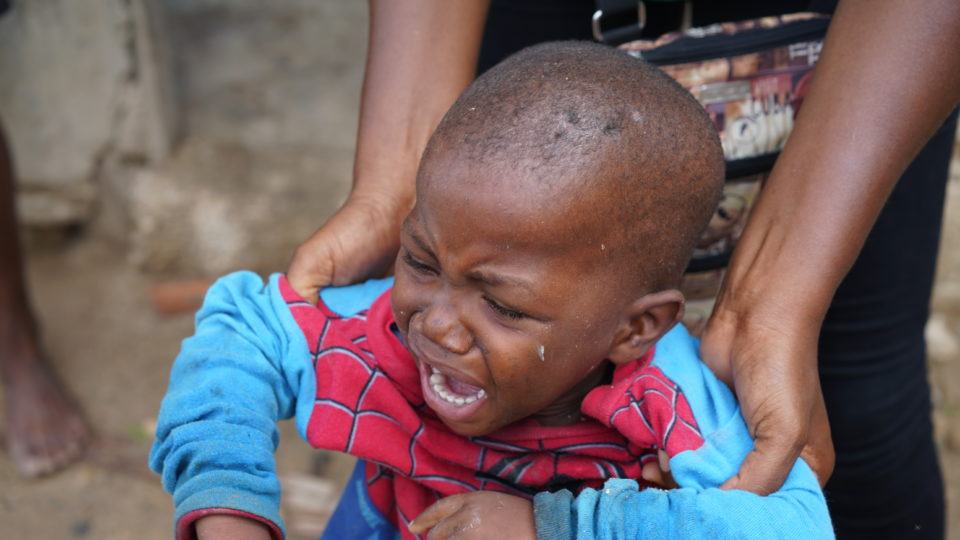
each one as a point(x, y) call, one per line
point(751, 77)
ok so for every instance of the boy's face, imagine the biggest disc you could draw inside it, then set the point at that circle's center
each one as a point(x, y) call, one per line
point(505, 301)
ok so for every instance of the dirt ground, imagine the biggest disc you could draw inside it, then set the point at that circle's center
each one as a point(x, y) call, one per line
point(115, 352)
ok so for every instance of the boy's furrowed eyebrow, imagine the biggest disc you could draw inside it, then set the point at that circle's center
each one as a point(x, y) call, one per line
point(495, 280)
point(418, 241)
point(492, 279)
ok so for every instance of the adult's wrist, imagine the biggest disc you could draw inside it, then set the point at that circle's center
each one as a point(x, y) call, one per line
point(388, 204)
point(777, 273)
point(771, 303)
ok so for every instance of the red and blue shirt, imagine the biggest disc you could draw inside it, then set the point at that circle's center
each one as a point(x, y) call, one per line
point(261, 353)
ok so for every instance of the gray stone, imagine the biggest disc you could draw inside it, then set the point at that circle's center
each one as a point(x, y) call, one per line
point(216, 207)
point(942, 343)
point(81, 81)
point(277, 74)
point(270, 97)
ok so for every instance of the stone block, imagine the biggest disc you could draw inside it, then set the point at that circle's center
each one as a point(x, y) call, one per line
point(216, 207)
point(82, 81)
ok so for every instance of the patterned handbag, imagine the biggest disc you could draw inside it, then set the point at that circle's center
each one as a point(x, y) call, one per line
point(751, 77)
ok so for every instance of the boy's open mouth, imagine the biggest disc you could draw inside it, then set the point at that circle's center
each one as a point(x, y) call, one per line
point(453, 390)
point(450, 397)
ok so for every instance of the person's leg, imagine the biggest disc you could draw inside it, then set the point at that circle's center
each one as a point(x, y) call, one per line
point(44, 428)
point(887, 481)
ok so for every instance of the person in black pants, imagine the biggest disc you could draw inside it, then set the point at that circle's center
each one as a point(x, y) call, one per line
point(887, 79)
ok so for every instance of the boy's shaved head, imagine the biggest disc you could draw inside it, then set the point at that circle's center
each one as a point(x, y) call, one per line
point(580, 129)
point(558, 203)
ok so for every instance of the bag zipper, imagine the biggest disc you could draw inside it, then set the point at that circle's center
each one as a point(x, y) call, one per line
point(691, 49)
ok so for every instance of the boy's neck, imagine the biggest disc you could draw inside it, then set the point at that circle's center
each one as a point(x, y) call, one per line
point(566, 410)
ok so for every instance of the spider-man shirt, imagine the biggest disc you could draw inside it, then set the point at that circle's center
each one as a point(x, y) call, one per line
point(262, 353)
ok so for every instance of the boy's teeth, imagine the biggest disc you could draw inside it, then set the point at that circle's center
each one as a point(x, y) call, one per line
point(438, 381)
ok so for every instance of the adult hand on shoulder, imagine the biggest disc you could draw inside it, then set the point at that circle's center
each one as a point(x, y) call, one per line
point(771, 363)
point(359, 242)
point(480, 514)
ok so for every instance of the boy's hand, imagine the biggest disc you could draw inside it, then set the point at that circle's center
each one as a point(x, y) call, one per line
point(231, 527)
point(481, 514)
point(658, 472)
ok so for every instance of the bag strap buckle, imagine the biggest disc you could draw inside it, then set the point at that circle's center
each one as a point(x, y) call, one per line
point(621, 34)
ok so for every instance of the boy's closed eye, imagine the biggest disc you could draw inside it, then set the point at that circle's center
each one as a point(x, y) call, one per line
point(424, 268)
point(504, 310)
point(418, 266)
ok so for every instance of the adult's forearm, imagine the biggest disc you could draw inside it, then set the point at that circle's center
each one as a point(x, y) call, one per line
point(888, 76)
point(421, 55)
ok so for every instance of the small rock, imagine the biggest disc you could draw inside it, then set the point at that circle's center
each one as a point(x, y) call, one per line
point(80, 528)
point(953, 438)
point(176, 297)
point(942, 343)
point(308, 503)
point(947, 292)
point(149, 426)
point(941, 428)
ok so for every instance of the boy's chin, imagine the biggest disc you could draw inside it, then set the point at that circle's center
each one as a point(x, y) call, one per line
point(467, 429)
point(471, 429)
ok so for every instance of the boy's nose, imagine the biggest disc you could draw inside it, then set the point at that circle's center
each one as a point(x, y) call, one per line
point(442, 326)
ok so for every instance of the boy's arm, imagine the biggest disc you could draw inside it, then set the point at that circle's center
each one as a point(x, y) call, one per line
point(698, 508)
point(620, 510)
point(244, 369)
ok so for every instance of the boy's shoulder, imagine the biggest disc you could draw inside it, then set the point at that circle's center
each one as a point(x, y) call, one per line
point(352, 299)
point(670, 399)
point(712, 402)
point(339, 322)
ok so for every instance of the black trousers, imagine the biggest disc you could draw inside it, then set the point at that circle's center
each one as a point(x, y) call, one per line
point(887, 481)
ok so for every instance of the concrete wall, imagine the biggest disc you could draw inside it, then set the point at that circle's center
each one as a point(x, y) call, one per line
point(81, 82)
point(269, 96)
point(264, 94)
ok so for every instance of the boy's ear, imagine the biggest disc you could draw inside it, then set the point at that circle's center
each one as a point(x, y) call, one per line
point(645, 320)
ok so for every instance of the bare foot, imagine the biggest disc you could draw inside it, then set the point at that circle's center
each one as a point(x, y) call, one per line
point(45, 430)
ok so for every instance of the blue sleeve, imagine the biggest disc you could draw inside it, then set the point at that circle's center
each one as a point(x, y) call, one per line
point(698, 508)
point(353, 299)
point(246, 367)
